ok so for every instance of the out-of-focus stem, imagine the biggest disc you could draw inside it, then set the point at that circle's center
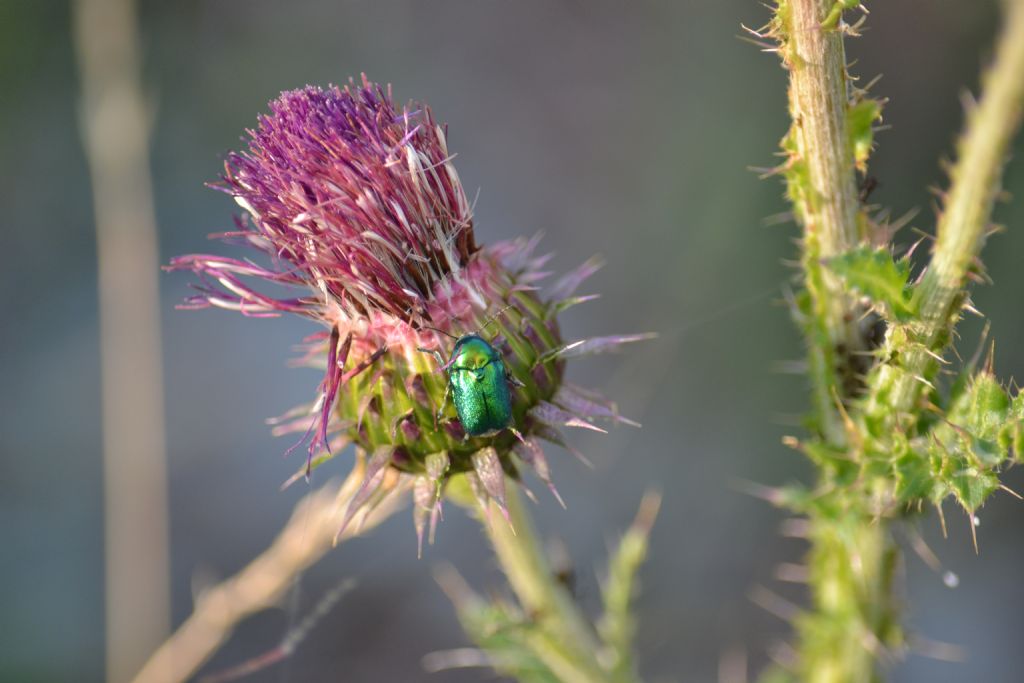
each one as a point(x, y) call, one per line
point(115, 132)
point(573, 651)
point(975, 184)
point(827, 201)
point(307, 537)
point(851, 568)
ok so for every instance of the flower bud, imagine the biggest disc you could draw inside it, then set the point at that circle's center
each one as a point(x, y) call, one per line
point(359, 212)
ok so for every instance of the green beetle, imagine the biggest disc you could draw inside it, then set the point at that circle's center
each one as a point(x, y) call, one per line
point(478, 382)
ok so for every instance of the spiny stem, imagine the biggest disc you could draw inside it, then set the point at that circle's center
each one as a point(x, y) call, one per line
point(818, 101)
point(851, 558)
point(823, 187)
point(851, 569)
point(618, 625)
point(854, 622)
point(975, 184)
point(545, 599)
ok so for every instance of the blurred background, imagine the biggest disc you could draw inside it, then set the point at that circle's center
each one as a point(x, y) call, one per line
point(624, 129)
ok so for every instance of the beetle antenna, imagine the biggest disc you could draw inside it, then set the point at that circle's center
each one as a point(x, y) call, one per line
point(493, 318)
point(447, 334)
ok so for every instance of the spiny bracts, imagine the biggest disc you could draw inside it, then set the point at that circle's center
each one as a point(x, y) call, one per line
point(360, 216)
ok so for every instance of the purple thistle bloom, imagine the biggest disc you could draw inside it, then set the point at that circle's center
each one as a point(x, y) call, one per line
point(357, 206)
point(350, 197)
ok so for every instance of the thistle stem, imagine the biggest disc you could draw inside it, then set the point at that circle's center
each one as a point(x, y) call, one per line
point(851, 564)
point(307, 537)
point(851, 569)
point(543, 598)
point(824, 192)
point(975, 184)
point(818, 101)
point(851, 559)
point(115, 123)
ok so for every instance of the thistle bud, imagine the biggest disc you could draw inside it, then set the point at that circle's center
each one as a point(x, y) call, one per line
point(358, 210)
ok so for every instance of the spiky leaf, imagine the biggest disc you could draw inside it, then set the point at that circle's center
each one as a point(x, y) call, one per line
point(861, 118)
point(874, 273)
point(972, 487)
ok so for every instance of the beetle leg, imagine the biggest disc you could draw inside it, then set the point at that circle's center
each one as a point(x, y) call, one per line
point(444, 403)
point(436, 354)
point(513, 380)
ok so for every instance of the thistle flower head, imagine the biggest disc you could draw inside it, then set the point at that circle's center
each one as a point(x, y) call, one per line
point(364, 226)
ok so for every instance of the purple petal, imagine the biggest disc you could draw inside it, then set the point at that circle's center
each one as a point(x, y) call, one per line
point(532, 276)
point(567, 303)
point(454, 430)
point(337, 445)
point(437, 465)
point(570, 282)
point(531, 453)
point(424, 495)
point(345, 195)
point(552, 435)
point(336, 358)
point(588, 406)
point(372, 479)
point(487, 466)
point(416, 389)
point(595, 345)
point(479, 494)
point(411, 430)
point(517, 254)
point(554, 416)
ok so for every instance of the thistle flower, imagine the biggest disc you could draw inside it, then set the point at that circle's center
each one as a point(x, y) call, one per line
point(361, 218)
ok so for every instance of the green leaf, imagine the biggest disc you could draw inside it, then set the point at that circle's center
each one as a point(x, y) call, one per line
point(1012, 435)
point(861, 118)
point(1017, 407)
point(501, 631)
point(972, 487)
point(834, 461)
point(914, 478)
point(796, 173)
point(980, 425)
point(831, 19)
point(875, 274)
point(983, 409)
point(958, 388)
point(617, 625)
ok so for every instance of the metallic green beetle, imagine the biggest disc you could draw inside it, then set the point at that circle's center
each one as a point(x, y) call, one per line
point(479, 384)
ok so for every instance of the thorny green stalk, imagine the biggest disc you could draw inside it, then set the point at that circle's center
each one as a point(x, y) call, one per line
point(847, 560)
point(543, 635)
point(851, 567)
point(549, 603)
point(618, 626)
point(568, 641)
point(880, 450)
point(964, 222)
point(825, 195)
